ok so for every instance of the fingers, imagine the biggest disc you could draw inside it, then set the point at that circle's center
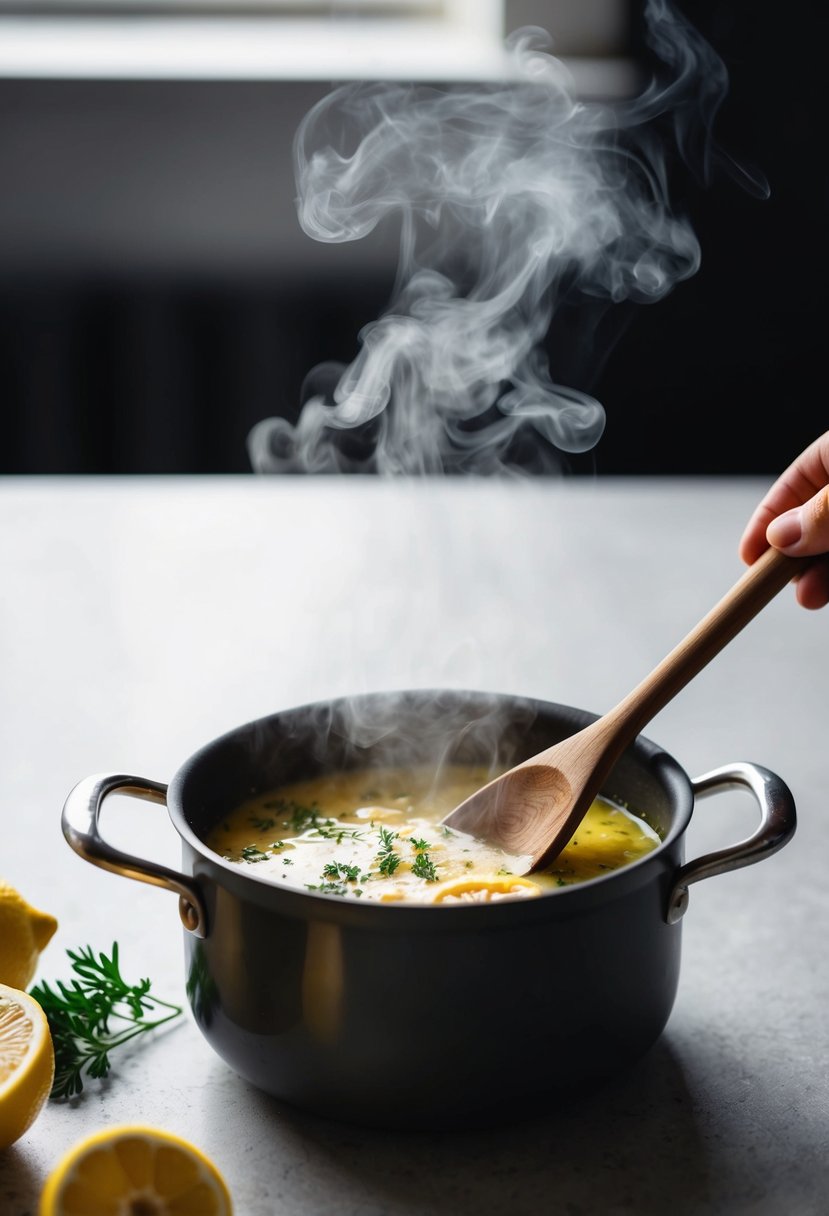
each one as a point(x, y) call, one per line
point(812, 586)
point(794, 514)
point(804, 530)
point(753, 541)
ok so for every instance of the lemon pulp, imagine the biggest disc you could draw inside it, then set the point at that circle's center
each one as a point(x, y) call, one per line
point(135, 1171)
point(27, 1063)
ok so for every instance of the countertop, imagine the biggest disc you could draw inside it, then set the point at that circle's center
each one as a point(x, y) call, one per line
point(141, 617)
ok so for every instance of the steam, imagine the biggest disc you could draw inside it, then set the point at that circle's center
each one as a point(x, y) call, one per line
point(512, 197)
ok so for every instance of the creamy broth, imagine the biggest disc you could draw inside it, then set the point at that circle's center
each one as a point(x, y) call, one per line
point(376, 834)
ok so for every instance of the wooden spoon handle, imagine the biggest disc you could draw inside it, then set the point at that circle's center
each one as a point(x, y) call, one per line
point(758, 585)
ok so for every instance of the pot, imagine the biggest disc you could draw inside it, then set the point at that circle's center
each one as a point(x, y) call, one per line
point(422, 1016)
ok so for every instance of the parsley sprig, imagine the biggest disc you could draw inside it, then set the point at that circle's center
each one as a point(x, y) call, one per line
point(423, 867)
point(387, 859)
point(80, 1014)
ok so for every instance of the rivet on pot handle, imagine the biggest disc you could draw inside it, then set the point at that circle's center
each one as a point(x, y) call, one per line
point(777, 825)
point(79, 821)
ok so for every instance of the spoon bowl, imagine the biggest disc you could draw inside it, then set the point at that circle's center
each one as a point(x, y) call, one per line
point(533, 809)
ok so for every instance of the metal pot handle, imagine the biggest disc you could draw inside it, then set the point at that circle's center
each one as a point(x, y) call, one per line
point(777, 825)
point(81, 813)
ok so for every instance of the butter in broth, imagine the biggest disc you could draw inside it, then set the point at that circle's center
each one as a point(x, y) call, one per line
point(376, 834)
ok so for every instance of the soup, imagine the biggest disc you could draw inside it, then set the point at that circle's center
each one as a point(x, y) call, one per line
point(375, 834)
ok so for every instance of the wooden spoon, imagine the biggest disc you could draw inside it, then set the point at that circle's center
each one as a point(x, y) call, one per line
point(533, 809)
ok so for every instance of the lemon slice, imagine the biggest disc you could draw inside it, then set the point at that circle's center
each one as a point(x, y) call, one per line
point(27, 1063)
point(484, 890)
point(24, 932)
point(135, 1171)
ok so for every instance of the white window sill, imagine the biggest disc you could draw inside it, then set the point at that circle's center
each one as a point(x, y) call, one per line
point(146, 48)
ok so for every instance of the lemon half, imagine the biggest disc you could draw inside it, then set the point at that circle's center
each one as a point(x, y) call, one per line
point(24, 932)
point(27, 1063)
point(135, 1171)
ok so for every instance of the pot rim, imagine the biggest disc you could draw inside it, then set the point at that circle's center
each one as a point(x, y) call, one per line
point(571, 899)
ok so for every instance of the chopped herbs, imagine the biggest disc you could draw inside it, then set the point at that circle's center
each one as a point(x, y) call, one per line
point(329, 829)
point(261, 823)
point(252, 852)
point(387, 859)
point(423, 867)
point(377, 834)
point(339, 869)
point(328, 888)
point(294, 815)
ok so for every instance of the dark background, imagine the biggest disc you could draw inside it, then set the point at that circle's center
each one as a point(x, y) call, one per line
point(158, 298)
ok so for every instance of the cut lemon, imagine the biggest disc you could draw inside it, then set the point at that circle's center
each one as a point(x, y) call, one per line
point(484, 890)
point(135, 1171)
point(24, 932)
point(27, 1063)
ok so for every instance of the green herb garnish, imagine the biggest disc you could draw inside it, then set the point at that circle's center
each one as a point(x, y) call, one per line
point(262, 823)
point(293, 815)
point(80, 1012)
point(423, 867)
point(387, 859)
point(420, 845)
point(329, 829)
point(329, 888)
point(340, 869)
point(252, 852)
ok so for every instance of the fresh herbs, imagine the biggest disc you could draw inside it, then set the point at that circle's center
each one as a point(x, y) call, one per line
point(304, 823)
point(329, 829)
point(387, 859)
point(252, 852)
point(340, 869)
point(424, 867)
point(293, 815)
point(93, 1014)
point(262, 823)
point(333, 888)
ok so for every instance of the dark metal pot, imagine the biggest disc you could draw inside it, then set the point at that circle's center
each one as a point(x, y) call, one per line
point(426, 1016)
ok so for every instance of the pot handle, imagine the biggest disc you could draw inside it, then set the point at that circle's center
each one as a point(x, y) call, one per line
point(81, 813)
point(777, 825)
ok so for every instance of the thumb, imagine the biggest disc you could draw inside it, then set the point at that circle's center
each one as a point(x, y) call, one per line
point(803, 531)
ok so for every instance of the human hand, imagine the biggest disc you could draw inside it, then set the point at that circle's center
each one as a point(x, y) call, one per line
point(794, 517)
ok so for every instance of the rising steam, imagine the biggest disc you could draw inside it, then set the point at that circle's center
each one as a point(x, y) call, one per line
point(511, 197)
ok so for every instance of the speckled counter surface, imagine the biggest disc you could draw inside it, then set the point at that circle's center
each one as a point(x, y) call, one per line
point(143, 617)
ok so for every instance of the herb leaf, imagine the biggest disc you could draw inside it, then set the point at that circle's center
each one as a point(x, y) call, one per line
point(387, 859)
point(424, 867)
point(79, 1015)
point(340, 869)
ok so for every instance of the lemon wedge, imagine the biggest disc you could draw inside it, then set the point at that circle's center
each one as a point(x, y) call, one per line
point(135, 1171)
point(27, 1063)
point(24, 933)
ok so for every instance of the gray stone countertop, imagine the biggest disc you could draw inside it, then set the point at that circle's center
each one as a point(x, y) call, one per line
point(142, 617)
